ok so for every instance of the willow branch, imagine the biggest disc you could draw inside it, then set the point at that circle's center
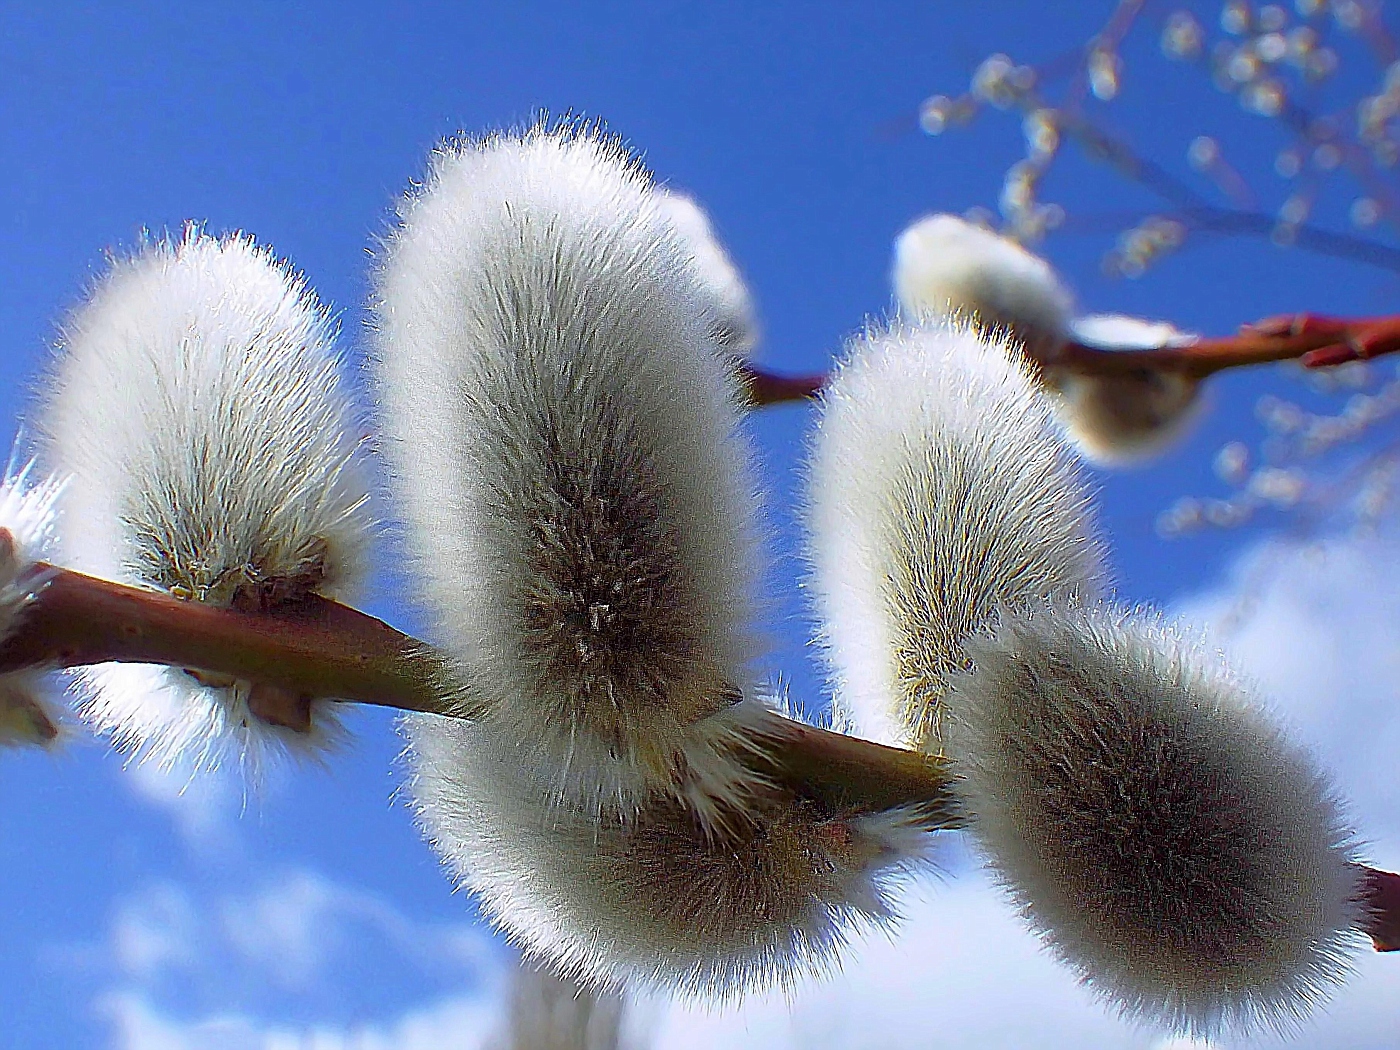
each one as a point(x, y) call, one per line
point(1314, 340)
point(770, 388)
point(315, 648)
point(318, 649)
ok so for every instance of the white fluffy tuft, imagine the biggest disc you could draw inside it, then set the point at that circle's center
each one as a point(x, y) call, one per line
point(939, 492)
point(563, 431)
point(946, 265)
point(196, 410)
point(27, 716)
point(734, 321)
point(1116, 420)
point(666, 901)
point(27, 537)
point(1168, 843)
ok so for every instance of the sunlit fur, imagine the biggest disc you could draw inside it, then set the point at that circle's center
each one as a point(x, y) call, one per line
point(666, 901)
point(735, 321)
point(563, 431)
point(27, 538)
point(939, 491)
point(1120, 419)
point(195, 408)
point(946, 265)
point(1162, 835)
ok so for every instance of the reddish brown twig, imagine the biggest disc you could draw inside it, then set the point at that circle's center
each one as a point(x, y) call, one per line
point(1340, 340)
point(770, 388)
point(1383, 899)
point(1314, 340)
point(315, 648)
point(319, 649)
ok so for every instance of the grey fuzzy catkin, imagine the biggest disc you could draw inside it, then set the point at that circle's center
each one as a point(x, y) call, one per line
point(939, 492)
point(734, 316)
point(1120, 418)
point(1185, 859)
point(562, 426)
point(195, 408)
point(671, 901)
point(947, 266)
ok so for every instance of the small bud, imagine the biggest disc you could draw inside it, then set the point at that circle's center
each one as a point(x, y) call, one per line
point(564, 431)
point(1105, 70)
point(196, 409)
point(939, 491)
point(1188, 862)
point(667, 901)
point(946, 265)
point(1124, 417)
point(1203, 153)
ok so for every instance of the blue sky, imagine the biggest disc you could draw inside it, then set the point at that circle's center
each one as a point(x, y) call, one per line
point(141, 913)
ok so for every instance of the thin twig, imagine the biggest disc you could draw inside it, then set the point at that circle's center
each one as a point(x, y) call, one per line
point(1199, 213)
point(315, 648)
point(770, 388)
point(1315, 340)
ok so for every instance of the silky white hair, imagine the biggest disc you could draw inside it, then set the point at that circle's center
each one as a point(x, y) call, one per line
point(734, 320)
point(27, 538)
point(1122, 418)
point(1165, 839)
point(563, 431)
point(944, 264)
point(939, 491)
point(668, 900)
point(210, 449)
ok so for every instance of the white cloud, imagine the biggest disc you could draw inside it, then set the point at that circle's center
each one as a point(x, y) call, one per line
point(292, 926)
point(461, 1023)
point(154, 931)
point(206, 970)
point(1318, 627)
point(203, 807)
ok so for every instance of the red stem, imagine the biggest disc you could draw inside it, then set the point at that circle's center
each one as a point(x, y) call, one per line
point(1316, 340)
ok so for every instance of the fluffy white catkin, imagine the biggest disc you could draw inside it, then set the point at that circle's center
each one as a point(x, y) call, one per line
point(944, 264)
point(27, 537)
point(1166, 840)
point(735, 321)
point(665, 901)
point(1120, 419)
point(939, 492)
point(196, 409)
point(563, 431)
